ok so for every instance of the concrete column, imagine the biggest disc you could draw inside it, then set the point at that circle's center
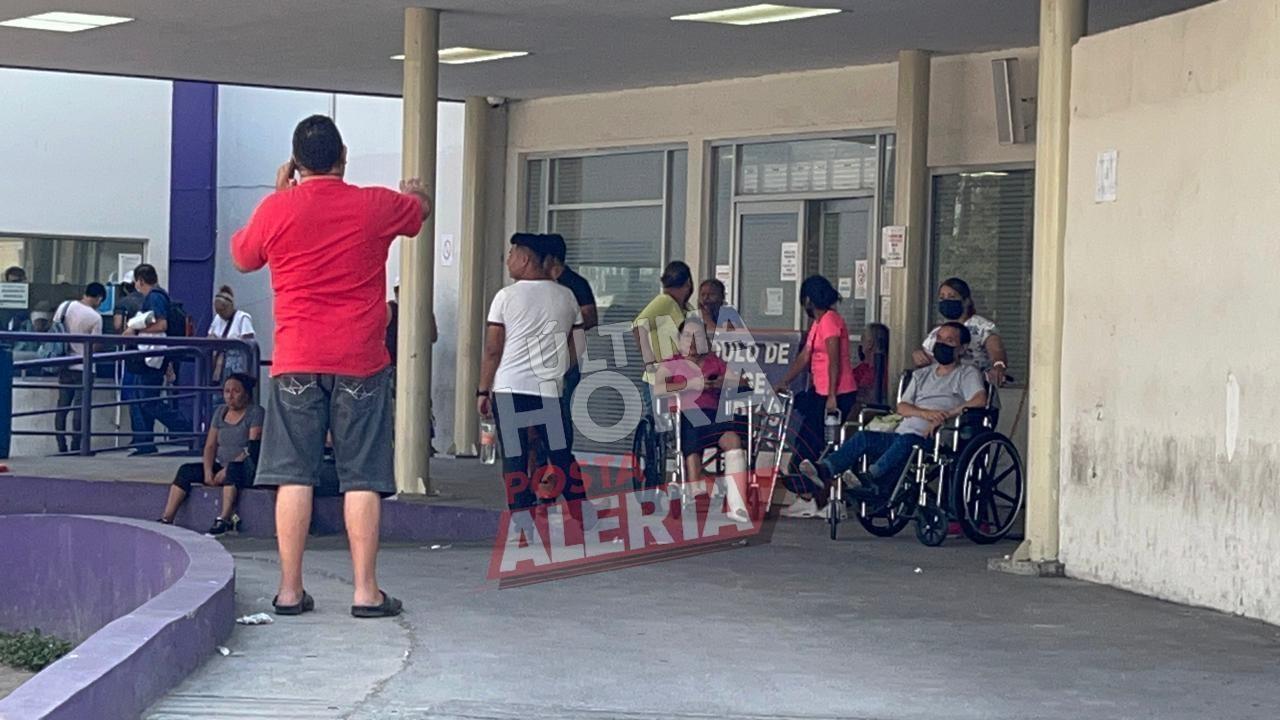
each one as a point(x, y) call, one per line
point(697, 200)
point(471, 274)
point(417, 255)
point(1062, 23)
point(911, 195)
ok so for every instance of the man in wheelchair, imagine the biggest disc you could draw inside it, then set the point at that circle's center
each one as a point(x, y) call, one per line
point(935, 394)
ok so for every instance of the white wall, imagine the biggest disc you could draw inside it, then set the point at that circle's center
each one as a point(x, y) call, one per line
point(86, 155)
point(1169, 473)
point(255, 127)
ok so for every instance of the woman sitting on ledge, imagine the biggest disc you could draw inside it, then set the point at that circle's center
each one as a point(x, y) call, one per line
point(230, 453)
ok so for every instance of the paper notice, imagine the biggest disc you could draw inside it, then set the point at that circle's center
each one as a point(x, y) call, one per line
point(14, 296)
point(893, 246)
point(724, 273)
point(801, 175)
point(773, 302)
point(845, 286)
point(750, 179)
point(1105, 188)
point(869, 167)
point(125, 263)
point(846, 174)
point(884, 309)
point(790, 262)
point(860, 280)
point(886, 286)
point(821, 179)
point(775, 177)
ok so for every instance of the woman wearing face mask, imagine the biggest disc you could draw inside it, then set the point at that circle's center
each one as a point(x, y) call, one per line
point(986, 351)
point(832, 386)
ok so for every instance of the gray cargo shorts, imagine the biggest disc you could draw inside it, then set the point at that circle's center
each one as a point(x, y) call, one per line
point(302, 408)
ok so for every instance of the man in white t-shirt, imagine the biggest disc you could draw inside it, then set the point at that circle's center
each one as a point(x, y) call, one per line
point(529, 346)
point(77, 317)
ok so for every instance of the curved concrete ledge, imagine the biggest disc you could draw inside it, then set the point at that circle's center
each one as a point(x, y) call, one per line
point(147, 602)
point(402, 521)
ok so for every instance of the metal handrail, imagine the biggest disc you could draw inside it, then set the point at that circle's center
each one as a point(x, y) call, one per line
point(99, 349)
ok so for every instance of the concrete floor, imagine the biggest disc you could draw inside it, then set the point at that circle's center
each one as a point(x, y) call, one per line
point(799, 628)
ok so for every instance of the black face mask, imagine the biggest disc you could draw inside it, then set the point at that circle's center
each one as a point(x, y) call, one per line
point(944, 354)
point(809, 310)
point(951, 309)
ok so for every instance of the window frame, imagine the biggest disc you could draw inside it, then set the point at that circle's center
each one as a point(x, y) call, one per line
point(96, 240)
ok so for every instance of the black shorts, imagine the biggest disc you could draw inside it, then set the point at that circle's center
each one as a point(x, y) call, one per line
point(706, 432)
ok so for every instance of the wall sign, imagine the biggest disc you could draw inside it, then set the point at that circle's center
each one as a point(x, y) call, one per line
point(893, 246)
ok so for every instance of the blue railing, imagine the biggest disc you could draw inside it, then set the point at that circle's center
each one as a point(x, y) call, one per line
point(102, 349)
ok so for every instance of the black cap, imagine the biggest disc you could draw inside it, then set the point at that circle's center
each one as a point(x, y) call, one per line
point(554, 246)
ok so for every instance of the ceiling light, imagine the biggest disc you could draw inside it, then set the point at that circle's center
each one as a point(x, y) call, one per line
point(757, 14)
point(465, 55)
point(64, 21)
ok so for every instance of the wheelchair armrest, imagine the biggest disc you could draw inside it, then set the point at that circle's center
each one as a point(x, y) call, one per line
point(870, 410)
point(975, 416)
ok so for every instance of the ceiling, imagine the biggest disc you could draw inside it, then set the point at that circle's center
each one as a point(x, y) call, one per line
point(577, 45)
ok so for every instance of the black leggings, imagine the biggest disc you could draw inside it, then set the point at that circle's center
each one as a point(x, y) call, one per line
point(811, 409)
point(193, 474)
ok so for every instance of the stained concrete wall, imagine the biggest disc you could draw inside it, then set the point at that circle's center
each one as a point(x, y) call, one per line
point(1169, 423)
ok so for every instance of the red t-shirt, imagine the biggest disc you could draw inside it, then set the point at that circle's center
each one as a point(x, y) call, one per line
point(326, 243)
point(830, 325)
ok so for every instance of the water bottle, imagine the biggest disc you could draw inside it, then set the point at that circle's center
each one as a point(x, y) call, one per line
point(488, 441)
point(831, 424)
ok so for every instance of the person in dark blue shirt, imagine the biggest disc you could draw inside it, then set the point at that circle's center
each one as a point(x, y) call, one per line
point(146, 376)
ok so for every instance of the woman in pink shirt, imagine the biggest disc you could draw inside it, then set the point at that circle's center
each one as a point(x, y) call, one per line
point(832, 388)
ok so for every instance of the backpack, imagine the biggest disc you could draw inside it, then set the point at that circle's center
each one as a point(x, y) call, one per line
point(56, 348)
point(177, 321)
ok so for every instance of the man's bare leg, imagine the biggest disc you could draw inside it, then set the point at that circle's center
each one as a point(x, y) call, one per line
point(362, 511)
point(293, 520)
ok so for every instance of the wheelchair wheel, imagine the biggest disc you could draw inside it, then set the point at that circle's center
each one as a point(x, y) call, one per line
point(882, 520)
point(931, 526)
point(989, 488)
point(648, 459)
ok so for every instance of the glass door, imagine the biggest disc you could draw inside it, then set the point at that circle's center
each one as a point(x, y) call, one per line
point(769, 262)
point(845, 247)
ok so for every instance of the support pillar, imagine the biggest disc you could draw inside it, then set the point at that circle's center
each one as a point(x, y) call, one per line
point(471, 274)
point(911, 195)
point(1062, 23)
point(417, 255)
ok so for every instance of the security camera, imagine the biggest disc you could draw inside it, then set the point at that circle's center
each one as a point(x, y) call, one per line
point(495, 101)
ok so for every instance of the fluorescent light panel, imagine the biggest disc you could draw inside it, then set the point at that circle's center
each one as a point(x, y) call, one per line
point(466, 55)
point(757, 14)
point(64, 21)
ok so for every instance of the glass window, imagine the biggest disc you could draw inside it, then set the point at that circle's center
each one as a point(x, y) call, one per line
point(803, 166)
point(722, 204)
point(624, 177)
point(982, 224)
point(677, 199)
point(58, 268)
point(535, 209)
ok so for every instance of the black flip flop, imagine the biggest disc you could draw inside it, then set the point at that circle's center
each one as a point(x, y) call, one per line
point(390, 607)
point(307, 605)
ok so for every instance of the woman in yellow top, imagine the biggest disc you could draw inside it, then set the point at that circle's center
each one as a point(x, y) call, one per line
point(657, 327)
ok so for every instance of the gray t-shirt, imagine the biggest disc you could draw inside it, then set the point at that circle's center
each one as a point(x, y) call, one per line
point(930, 391)
point(233, 440)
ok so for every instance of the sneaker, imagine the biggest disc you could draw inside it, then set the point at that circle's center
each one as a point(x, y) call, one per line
point(739, 516)
point(162, 521)
point(144, 451)
point(221, 527)
point(802, 508)
point(816, 473)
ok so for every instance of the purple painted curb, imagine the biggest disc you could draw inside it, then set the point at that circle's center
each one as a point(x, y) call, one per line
point(401, 521)
point(161, 598)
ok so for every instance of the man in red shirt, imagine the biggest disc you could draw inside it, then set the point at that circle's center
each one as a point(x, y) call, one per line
point(326, 243)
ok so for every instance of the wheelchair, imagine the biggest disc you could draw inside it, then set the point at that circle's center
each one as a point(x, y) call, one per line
point(968, 472)
point(658, 456)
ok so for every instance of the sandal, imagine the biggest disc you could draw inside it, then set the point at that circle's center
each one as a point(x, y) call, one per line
point(390, 607)
point(307, 605)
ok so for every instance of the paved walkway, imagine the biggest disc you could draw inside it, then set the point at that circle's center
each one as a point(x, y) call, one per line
point(799, 628)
